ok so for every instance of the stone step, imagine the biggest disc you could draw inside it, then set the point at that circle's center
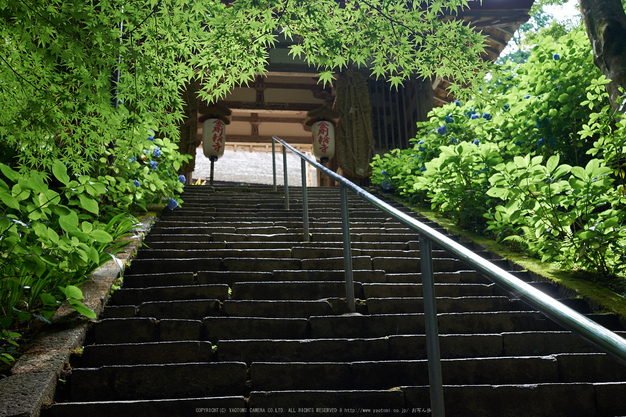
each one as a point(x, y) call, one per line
point(316, 228)
point(177, 407)
point(363, 237)
point(386, 290)
point(403, 347)
point(192, 237)
point(328, 275)
point(358, 262)
point(282, 308)
point(213, 328)
point(95, 356)
point(230, 277)
point(171, 309)
point(391, 265)
point(288, 223)
point(537, 400)
point(179, 309)
point(229, 307)
point(399, 305)
point(213, 253)
point(327, 402)
point(292, 290)
point(193, 245)
point(136, 296)
point(255, 237)
point(375, 248)
point(132, 280)
point(561, 368)
point(461, 277)
point(180, 380)
point(159, 266)
point(380, 325)
point(386, 374)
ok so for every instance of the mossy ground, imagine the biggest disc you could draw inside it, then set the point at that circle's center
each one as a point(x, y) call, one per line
point(596, 290)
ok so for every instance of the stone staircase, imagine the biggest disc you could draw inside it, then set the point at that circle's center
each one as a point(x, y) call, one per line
point(227, 312)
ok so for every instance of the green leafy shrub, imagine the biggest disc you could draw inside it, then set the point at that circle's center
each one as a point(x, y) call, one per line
point(50, 240)
point(571, 215)
point(456, 182)
point(481, 162)
point(144, 171)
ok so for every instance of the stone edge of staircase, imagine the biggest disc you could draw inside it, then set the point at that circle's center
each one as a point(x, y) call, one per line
point(34, 375)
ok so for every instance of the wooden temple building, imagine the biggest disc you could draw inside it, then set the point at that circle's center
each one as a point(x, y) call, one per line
point(277, 104)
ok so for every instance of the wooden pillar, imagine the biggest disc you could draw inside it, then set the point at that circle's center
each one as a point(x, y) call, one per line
point(189, 129)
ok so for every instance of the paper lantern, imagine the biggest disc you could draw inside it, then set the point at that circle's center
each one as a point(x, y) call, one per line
point(213, 138)
point(323, 140)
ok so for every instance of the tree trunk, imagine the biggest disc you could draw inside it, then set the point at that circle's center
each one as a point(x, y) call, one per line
point(605, 21)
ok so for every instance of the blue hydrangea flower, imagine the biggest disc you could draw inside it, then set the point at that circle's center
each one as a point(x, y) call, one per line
point(506, 107)
point(476, 142)
point(457, 102)
point(157, 152)
point(151, 138)
point(475, 116)
point(386, 186)
point(527, 96)
point(442, 130)
point(153, 165)
point(384, 173)
point(486, 116)
point(449, 119)
point(137, 183)
point(420, 142)
point(518, 143)
point(172, 204)
point(541, 142)
point(423, 168)
point(452, 141)
point(182, 178)
point(133, 159)
point(556, 57)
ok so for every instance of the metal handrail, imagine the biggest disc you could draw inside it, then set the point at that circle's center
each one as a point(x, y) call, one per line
point(570, 319)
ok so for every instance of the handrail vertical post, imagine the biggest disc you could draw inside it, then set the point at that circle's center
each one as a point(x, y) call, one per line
point(305, 203)
point(432, 332)
point(274, 162)
point(347, 251)
point(285, 177)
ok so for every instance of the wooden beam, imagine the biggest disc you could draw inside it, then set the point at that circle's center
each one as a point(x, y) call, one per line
point(441, 101)
point(499, 23)
point(295, 86)
point(496, 40)
point(297, 114)
point(251, 105)
point(264, 147)
point(291, 74)
point(267, 139)
point(267, 119)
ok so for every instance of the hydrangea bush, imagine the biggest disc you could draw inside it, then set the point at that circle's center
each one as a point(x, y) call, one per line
point(536, 158)
point(58, 226)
